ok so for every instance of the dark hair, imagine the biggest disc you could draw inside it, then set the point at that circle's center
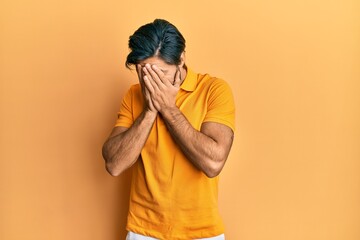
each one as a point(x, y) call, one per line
point(159, 38)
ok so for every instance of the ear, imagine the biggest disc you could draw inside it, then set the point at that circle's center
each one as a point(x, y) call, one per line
point(182, 59)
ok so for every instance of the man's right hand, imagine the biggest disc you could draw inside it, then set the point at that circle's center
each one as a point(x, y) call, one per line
point(148, 104)
point(123, 147)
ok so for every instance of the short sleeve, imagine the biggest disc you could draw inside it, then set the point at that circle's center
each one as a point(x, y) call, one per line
point(221, 106)
point(125, 115)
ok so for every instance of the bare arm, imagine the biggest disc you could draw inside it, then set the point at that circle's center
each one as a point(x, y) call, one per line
point(123, 147)
point(208, 148)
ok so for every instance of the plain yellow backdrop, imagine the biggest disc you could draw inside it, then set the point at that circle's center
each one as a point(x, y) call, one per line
point(294, 67)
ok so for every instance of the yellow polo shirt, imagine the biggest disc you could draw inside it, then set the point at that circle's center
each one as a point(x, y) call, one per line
point(170, 198)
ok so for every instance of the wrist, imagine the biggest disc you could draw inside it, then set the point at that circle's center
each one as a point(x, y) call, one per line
point(149, 114)
point(170, 113)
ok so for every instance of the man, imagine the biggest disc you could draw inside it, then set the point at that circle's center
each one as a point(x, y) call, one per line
point(176, 129)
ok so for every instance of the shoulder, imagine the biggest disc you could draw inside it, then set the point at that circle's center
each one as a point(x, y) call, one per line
point(213, 83)
point(133, 92)
point(135, 87)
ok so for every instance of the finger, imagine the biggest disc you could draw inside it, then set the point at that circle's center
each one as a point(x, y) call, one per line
point(154, 75)
point(138, 69)
point(146, 73)
point(177, 79)
point(140, 75)
point(148, 84)
point(159, 73)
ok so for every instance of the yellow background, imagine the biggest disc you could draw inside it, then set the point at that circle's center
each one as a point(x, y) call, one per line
point(294, 66)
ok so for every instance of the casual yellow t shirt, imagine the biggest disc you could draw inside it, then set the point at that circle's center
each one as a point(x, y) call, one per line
point(170, 198)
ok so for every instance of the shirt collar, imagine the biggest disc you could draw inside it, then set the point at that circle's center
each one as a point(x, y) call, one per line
point(190, 81)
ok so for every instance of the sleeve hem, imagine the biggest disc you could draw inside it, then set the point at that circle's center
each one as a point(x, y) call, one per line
point(123, 124)
point(226, 123)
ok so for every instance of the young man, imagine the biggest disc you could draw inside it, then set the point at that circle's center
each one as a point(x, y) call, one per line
point(176, 129)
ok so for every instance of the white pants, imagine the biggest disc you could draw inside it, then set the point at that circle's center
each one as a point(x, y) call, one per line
point(135, 236)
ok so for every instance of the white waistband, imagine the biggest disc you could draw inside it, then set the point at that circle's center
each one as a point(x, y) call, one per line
point(135, 236)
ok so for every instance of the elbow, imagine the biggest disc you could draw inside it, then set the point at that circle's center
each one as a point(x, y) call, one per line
point(212, 174)
point(109, 166)
point(216, 164)
point(214, 169)
point(112, 170)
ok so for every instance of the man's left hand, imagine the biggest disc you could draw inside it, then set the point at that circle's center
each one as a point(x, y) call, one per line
point(162, 90)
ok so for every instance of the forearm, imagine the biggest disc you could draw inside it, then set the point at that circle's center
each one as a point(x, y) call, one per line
point(208, 148)
point(203, 151)
point(121, 151)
